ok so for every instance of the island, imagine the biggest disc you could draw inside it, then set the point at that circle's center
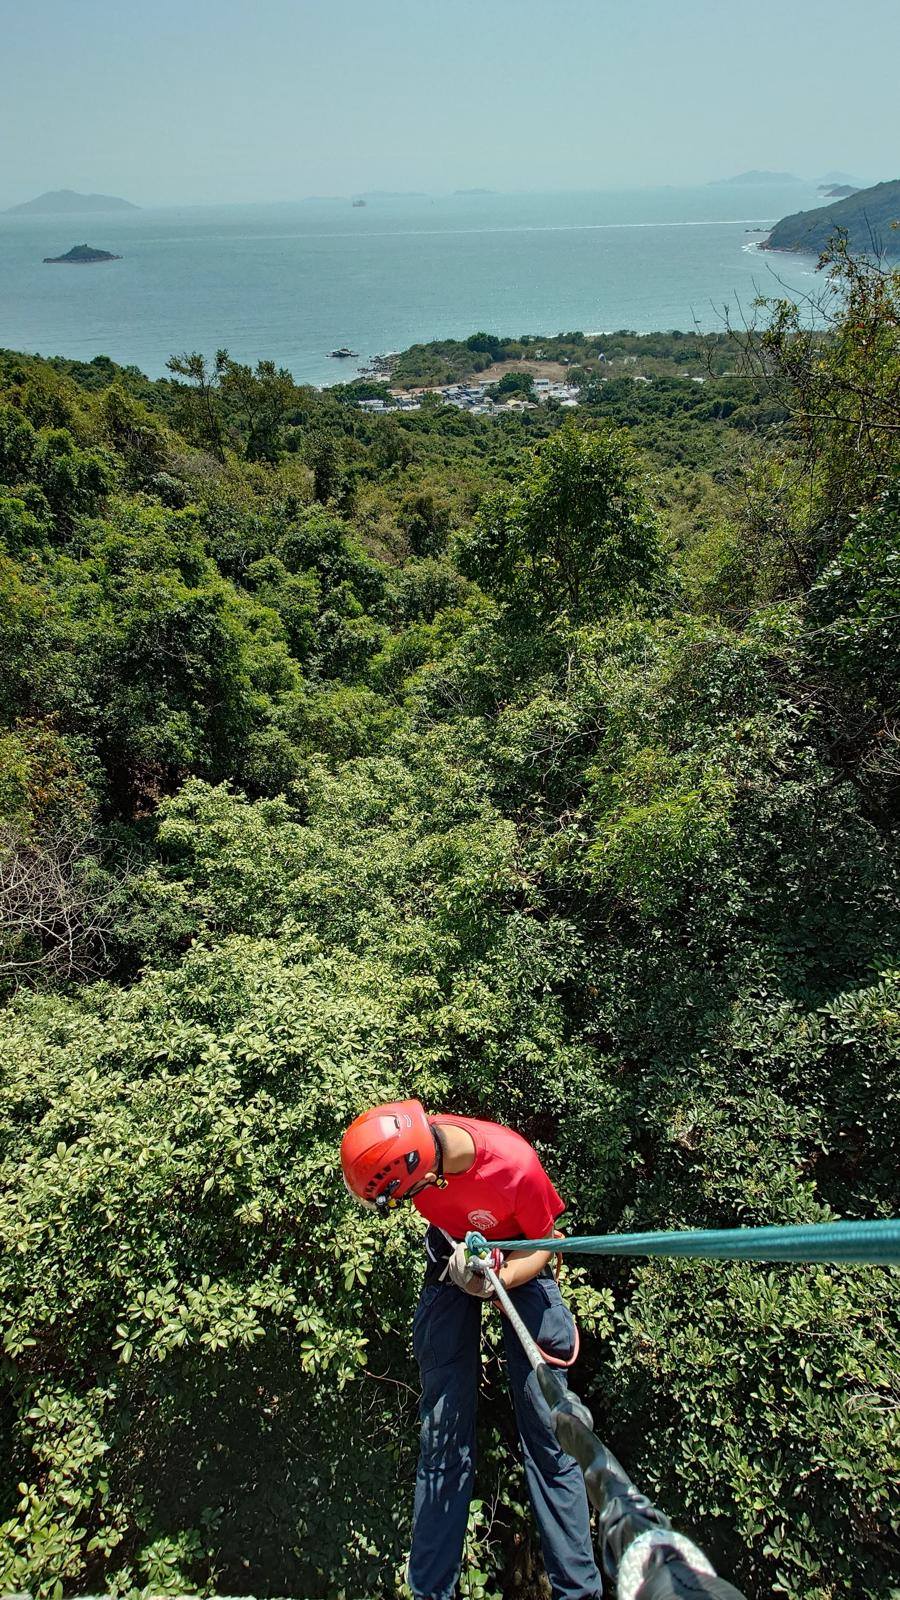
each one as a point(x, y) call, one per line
point(80, 255)
point(67, 202)
point(870, 220)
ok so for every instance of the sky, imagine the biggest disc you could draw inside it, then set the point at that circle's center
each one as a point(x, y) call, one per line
point(216, 101)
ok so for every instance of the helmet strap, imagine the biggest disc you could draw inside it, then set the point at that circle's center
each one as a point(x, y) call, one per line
point(441, 1181)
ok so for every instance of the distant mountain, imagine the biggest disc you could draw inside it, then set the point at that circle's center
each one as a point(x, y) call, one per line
point(66, 202)
point(838, 191)
point(756, 177)
point(866, 217)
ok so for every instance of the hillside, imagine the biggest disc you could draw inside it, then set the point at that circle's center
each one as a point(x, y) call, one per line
point(67, 202)
point(546, 768)
point(869, 218)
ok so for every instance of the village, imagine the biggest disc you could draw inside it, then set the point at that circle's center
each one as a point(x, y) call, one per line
point(477, 398)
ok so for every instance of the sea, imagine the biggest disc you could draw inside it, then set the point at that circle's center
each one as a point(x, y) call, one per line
point(292, 282)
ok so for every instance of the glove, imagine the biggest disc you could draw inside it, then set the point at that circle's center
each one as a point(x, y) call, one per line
point(462, 1272)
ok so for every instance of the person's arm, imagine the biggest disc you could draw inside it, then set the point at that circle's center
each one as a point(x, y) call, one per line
point(537, 1205)
point(521, 1266)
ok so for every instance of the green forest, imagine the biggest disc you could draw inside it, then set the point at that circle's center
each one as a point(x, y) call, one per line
point(545, 767)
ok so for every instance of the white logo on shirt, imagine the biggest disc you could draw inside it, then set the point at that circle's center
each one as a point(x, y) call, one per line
point(482, 1219)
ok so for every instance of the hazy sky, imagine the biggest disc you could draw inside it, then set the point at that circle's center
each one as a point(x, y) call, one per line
point(215, 100)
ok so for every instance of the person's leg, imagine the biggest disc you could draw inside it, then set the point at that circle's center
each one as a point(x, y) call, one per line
point(446, 1341)
point(555, 1480)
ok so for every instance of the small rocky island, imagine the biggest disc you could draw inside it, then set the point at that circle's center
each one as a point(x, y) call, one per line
point(81, 255)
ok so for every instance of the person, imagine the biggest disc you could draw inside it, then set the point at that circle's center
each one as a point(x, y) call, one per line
point(463, 1174)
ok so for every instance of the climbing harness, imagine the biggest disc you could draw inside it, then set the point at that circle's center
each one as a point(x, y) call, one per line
point(641, 1552)
point(645, 1557)
point(876, 1243)
point(493, 1254)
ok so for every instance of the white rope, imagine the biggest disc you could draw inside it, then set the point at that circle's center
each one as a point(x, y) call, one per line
point(635, 1563)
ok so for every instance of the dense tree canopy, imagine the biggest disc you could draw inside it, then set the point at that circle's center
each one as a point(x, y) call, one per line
point(346, 757)
point(576, 537)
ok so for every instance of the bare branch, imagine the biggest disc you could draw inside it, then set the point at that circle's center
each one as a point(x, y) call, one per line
point(57, 904)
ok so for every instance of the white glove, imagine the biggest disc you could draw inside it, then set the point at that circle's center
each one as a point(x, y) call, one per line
point(462, 1271)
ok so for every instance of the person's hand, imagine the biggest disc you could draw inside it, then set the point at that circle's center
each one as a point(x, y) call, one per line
point(462, 1271)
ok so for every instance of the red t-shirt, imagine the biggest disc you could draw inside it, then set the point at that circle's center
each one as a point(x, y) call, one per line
point(505, 1194)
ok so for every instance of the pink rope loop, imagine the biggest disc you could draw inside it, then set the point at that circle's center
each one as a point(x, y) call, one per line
point(552, 1361)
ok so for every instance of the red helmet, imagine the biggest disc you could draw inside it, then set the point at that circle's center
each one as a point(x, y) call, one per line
point(387, 1152)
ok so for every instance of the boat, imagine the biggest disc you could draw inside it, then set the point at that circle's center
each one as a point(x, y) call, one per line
point(359, 202)
point(343, 352)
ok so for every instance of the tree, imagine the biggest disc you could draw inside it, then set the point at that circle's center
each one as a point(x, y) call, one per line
point(135, 433)
point(516, 383)
point(843, 389)
point(259, 400)
point(833, 364)
point(488, 343)
point(424, 516)
point(329, 476)
point(74, 481)
point(576, 537)
point(199, 414)
point(58, 907)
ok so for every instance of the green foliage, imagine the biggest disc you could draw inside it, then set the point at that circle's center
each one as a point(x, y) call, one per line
point(487, 342)
point(135, 434)
point(607, 354)
point(780, 1388)
point(259, 401)
point(576, 538)
point(662, 825)
point(169, 667)
point(425, 519)
point(73, 482)
point(146, 1121)
point(854, 646)
point(21, 618)
point(18, 446)
point(516, 383)
point(840, 391)
point(344, 757)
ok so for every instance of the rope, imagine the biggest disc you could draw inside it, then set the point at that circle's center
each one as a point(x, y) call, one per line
point(636, 1562)
point(551, 1361)
point(875, 1243)
point(649, 1560)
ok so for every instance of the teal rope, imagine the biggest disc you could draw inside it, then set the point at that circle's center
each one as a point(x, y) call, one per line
point(875, 1242)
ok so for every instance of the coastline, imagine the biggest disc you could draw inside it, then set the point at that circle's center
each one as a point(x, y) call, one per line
point(384, 278)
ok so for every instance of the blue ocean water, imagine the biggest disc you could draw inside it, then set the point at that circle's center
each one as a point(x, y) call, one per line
point(291, 282)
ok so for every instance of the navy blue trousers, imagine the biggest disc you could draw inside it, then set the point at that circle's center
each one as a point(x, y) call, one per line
point(447, 1345)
